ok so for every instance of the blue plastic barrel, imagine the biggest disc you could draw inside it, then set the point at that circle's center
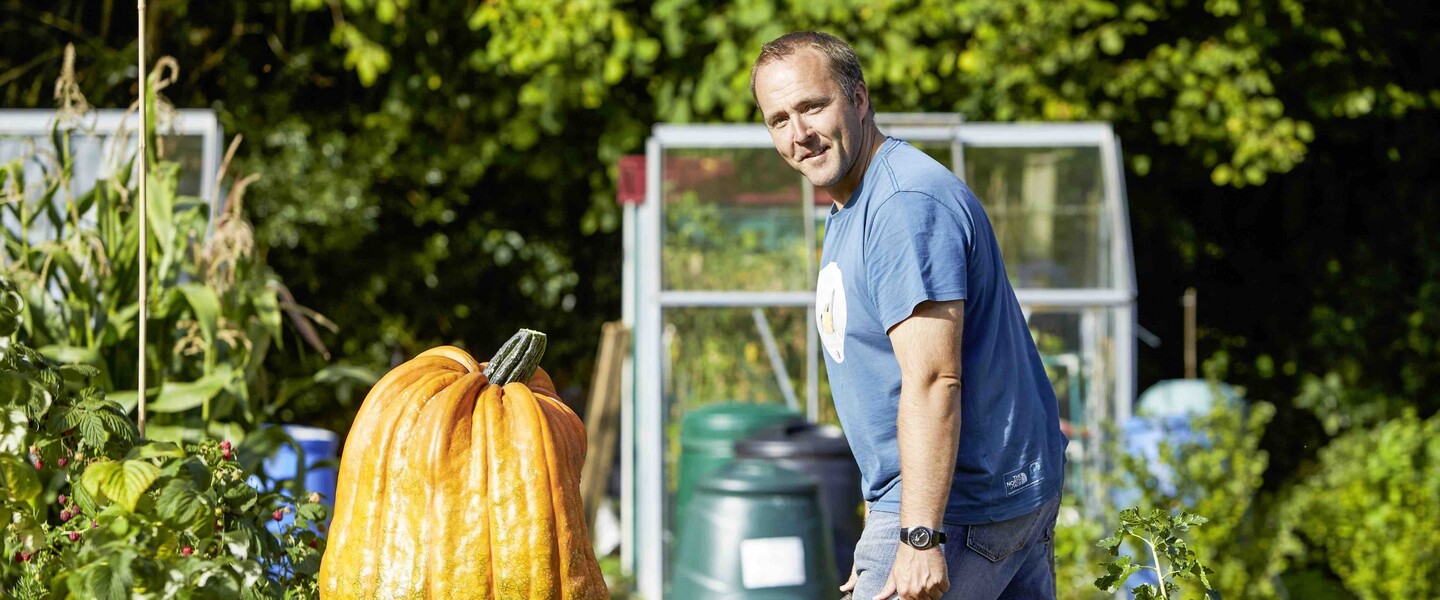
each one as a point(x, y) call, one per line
point(317, 445)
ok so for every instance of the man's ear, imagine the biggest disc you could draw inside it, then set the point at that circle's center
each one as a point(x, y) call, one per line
point(861, 100)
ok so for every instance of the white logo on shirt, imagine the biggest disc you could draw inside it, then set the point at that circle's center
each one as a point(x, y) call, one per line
point(830, 311)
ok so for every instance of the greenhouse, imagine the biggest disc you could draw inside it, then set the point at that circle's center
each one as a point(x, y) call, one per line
point(720, 256)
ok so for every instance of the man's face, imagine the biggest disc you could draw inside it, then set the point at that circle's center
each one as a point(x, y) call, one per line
point(814, 126)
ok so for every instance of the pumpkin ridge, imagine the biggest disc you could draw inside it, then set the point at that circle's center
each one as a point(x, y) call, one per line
point(398, 538)
point(448, 438)
point(557, 499)
point(528, 574)
point(546, 567)
point(477, 492)
point(461, 357)
point(579, 569)
point(354, 470)
point(494, 428)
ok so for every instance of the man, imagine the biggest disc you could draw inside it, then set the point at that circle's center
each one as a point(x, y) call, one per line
point(935, 377)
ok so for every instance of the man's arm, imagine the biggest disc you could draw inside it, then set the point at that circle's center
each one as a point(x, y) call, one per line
point(927, 346)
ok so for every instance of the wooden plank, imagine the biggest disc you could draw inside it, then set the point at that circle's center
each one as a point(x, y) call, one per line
point(602, 417)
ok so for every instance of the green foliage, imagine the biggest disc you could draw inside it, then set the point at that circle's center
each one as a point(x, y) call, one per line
point(1207, 85)
point(1076, 554)
point(215, 309)
point(475, 142)
point(460, 152)
point(616, 579)
point(1217, 469)
point(1370, 511)
point(1161, 533)
point(59, 400)
point(94, 513)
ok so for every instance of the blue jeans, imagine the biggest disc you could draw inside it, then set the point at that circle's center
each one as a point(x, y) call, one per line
point(1012, 559)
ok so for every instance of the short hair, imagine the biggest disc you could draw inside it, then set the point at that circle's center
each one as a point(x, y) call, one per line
point(844, 64)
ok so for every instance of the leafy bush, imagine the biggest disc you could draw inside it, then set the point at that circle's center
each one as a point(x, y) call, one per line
point(91, 511)
point(1216, 469)
point(1371, 509)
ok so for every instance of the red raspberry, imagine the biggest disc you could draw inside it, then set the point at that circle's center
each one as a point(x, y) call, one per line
point(279, 514)
point(225, 453)
point(64, 515)
point(187, 551)
point(314, 544)
point(74, 536)
point(39, 464)
point(225, 445)
point(25, 556)
point(61, 499)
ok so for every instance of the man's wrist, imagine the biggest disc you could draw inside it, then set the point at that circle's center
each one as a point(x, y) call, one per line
point(921, 538)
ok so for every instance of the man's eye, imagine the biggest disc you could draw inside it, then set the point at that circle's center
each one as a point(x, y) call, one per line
point(778, 123)
point(814, 108)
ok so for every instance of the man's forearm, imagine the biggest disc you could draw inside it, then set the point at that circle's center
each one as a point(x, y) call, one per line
point(929, 435)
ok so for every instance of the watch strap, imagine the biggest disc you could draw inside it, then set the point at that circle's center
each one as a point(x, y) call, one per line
point(936, 537)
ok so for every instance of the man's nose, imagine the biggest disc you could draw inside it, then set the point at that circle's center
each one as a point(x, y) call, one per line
point(801, 131)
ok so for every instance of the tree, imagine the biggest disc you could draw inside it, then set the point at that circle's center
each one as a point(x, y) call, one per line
point(465, 152)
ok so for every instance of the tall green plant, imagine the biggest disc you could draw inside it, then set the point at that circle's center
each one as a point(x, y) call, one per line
point(215, 309)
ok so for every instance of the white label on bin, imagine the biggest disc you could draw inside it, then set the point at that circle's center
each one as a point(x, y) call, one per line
point(772, 562)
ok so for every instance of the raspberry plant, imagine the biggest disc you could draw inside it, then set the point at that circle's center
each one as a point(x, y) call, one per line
point(92, 511)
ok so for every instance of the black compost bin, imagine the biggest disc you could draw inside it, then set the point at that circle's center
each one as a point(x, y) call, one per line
point(819, 451)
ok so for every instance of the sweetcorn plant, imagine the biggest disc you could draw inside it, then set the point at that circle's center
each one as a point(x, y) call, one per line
point(215, 311)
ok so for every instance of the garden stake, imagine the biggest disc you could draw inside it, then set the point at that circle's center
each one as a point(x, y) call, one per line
point(144, 221)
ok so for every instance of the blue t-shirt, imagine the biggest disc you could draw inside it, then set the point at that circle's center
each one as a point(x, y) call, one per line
point(914, 232)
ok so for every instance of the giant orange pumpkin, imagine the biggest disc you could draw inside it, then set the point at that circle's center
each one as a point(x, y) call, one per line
point(461, 479)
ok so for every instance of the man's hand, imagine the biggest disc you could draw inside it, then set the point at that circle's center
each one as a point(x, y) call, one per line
point(917, 575)
point(849, 585)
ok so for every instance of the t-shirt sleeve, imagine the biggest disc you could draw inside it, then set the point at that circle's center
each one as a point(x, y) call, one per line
point(915, 250)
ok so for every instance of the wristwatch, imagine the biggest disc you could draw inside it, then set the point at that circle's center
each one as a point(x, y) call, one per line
point(921, 538)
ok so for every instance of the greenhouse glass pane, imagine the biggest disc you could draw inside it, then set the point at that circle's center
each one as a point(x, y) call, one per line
point(717, 355)
point(1077, 346)
point(188, 151)
point(1048, 209)
point(734, 220)
point(1058, 337)
point(721, 354)
point(94, 156)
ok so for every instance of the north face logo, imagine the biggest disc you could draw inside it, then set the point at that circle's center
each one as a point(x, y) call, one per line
point(1016, 481)
point(1022, 478)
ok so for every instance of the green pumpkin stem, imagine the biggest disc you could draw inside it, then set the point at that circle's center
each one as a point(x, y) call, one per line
point(517, 359)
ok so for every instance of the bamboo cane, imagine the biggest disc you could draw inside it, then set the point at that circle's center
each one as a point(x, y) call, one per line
point(144, 215)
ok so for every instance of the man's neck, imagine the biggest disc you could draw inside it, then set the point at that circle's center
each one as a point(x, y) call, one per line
point(843, 189)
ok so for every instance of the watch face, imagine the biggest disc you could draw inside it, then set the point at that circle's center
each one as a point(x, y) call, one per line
point(920, 538)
